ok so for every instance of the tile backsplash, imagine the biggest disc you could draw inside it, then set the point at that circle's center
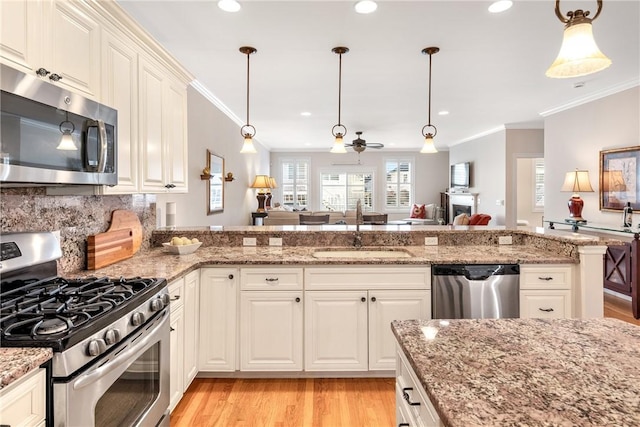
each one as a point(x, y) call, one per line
point(76, 217)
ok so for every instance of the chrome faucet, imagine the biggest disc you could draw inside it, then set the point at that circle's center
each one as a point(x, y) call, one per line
point(357, 240)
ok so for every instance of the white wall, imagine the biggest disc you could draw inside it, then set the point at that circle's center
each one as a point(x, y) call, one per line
point(574, 138)
point(521, 143)
point(209, 128)
point(431, 173)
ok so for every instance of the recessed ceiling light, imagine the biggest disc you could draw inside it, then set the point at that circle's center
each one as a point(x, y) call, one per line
point(366, 6)
point(443, 113)
point(500, 6)
point(305, 114)
point(229, 5)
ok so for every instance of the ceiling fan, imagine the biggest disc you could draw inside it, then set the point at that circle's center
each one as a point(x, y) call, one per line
point(359, 144)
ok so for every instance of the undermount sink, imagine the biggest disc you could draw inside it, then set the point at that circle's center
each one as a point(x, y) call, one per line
point(362, 253)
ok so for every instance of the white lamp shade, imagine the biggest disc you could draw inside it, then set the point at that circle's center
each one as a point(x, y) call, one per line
point(247, 146)
point(577, 182)
point(338, 146)
point(428, 147)
point(579, 54)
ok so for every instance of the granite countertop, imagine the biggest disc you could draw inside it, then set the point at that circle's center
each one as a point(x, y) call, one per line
point(16, 362)
point(533, 372)
point(158, 263)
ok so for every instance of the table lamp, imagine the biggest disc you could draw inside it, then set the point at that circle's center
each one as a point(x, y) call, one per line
point(575, 182)
point(262, 183)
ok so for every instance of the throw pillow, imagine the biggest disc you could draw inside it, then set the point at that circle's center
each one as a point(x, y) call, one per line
point(430, 211)
point(462, 219)
point(418, 211)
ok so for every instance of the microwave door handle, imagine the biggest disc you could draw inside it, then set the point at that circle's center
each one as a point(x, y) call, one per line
point(102, 159)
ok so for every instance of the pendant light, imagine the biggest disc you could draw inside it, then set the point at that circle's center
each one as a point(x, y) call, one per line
point(428, 146)
point(579, 54)
point(248, 131)
point(66, 141)
point(339, 130)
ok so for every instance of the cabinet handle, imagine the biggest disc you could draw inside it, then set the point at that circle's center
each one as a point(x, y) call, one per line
point(231, 276)
point(373, 299)
point(170, 186)
point(55, 77)
point(175, 298)
point(42, 72)
point(297, 299)
point(404, 425)
point(171, 329)
point(407, 398)
point(548, 310)
point(271, 279)
point(546, 279)
point(363, 299)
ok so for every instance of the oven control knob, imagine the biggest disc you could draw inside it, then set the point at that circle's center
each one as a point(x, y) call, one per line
point(157, 304)
point(112, 336)
point(96, 347)
point(137, 319)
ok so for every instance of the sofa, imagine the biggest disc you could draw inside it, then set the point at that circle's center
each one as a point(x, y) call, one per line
point(282, 217)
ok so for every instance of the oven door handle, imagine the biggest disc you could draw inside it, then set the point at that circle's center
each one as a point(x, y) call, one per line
point(124, 356)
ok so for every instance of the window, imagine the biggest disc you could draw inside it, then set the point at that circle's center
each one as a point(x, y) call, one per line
point(538, 179)
point(399, 184)
point(340, 190)
point(295, 183)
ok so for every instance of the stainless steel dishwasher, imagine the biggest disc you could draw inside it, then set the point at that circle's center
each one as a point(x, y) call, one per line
point(482, 291)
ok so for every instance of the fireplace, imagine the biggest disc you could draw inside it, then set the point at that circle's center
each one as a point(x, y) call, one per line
point(462, 203)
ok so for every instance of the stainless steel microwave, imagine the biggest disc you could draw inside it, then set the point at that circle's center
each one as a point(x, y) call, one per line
point(49, 135)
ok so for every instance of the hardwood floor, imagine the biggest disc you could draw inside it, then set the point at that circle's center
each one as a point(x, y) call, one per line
point(328, 402)
point(306, 402)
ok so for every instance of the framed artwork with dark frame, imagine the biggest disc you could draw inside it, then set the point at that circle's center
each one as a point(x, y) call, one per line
point(620, 178)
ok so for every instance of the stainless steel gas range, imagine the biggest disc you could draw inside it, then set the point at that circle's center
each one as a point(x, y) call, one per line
point(110, 337)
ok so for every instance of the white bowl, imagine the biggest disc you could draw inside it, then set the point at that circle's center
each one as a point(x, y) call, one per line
point(182, 249)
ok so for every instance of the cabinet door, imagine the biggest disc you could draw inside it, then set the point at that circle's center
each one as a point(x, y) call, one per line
point(176, 374)
point(384, 307)
point(150, 126)
point(175, 136)
point(23, 403)
point(271, 331)
point(120, 91)
point(218, 298)
point(72, 48)
point(191, 326)
point(545, 304)
point(21, 34)
point(336, 331)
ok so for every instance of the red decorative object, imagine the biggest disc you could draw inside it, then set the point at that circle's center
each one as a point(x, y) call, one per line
point(418, 211)
point(575, 208)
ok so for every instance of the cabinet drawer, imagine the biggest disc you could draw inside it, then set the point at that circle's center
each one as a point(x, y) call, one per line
point(412, 399)
point(545, 277)
point(366, 278)
point(281, 279)
point(23, 402)
point(176, 293)
point(545, 304)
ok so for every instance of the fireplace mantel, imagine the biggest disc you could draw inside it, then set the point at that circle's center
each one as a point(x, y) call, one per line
point(462, 202)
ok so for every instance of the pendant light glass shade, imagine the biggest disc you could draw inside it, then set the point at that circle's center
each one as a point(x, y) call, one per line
point(338, 146)
point(579, 54)
point(248, 131)
point(428, 147)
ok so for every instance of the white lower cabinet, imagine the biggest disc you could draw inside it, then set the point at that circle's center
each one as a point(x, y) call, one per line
point(546, 291)
point(218, 319)
point(176, 345)
point(191, 326)
point(348, 313)
point(413, 406)
point(23, 403)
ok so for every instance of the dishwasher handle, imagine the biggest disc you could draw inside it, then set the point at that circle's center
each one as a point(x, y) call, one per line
point(478, 272)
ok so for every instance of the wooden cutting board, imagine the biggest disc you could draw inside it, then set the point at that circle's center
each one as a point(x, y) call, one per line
point(108, 248)
point(122, 219)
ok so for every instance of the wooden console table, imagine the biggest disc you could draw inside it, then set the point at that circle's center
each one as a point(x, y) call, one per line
point(621, 270)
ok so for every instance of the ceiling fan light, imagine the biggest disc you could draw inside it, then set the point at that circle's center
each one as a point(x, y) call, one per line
point(428, 147)
point(579, 54)
point(247, 146)
point(338, 145)
point(66, 142)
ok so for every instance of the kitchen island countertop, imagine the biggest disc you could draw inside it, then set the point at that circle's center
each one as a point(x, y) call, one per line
point(533, 372)
point(16, 362)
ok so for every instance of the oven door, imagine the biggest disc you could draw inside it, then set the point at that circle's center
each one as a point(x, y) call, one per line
point(130, 387)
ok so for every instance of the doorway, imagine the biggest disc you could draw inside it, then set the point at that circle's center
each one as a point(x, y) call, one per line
point(529, 191)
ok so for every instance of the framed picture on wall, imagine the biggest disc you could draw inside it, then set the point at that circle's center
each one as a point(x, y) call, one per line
point(620, 178)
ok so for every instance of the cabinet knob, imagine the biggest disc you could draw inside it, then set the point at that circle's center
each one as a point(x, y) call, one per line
point(42, 72)
point(55, 77)
point(373, 299)
point(297, 299)
point(231, 276)
point(363, 299)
